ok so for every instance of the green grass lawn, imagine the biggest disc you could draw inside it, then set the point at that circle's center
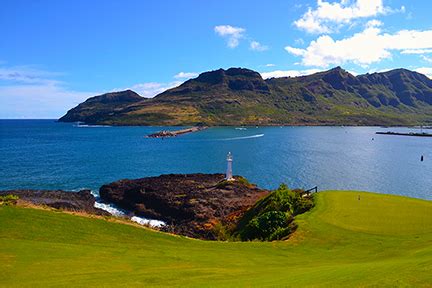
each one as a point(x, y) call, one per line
point(377, 241)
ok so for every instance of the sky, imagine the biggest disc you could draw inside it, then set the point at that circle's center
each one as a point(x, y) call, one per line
point(55, 54)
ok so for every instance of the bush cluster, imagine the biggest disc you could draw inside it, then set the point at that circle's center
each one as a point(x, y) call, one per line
point(272, 217)
point(7, 200)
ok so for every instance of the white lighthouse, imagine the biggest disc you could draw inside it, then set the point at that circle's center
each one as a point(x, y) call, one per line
point(229, 176)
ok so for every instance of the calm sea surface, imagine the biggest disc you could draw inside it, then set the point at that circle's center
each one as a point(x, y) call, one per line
point(43, 154)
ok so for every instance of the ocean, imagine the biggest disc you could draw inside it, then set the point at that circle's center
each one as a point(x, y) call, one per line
point(44, 154)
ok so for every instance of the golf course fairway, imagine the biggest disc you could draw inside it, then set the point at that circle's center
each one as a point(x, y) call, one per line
point(349, 239)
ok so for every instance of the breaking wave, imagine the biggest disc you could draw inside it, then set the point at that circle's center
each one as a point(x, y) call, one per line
point(241, 138)
point(113, 210)
point(90, 126)
point(150, 222)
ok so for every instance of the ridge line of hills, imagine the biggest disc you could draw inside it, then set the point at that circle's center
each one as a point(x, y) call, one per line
point(239, 96)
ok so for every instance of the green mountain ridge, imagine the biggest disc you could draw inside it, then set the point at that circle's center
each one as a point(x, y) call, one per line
point(239, 96)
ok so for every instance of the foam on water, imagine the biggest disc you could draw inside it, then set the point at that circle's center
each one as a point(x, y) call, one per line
point(113, 210)
point(144, 221)
point(91, 126)
point(110, 209)
point(241, 138)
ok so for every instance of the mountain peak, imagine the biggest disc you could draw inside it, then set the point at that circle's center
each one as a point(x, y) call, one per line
point(243, 72)
point(339, 78)
point(220, 75)
point(105, 102)
point(116, 97)
point(338, 70)
point(401, 71)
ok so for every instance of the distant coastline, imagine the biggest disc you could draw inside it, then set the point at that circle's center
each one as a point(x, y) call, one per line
point(83, 124)
point(240, 96)
point(423, 134)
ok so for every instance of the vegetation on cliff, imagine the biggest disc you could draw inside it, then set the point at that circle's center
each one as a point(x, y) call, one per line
point(239, 96)
point(9, 199)
point(272, 217)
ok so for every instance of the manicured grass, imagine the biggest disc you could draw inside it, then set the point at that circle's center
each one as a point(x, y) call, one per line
point(377, 241)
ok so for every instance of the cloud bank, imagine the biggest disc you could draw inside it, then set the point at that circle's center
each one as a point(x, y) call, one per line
point(27, 92)
point(366, 47)
point(327, 17)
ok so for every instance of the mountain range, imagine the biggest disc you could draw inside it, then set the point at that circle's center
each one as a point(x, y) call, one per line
point(239, 96)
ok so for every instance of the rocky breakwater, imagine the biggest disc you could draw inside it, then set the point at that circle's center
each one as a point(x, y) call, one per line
point(82, 201)
point(165, 133)
point(192, 205)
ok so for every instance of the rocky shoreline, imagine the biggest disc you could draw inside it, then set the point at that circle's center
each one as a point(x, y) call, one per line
point(191, 204)
point(203, 206)
point(82, 201)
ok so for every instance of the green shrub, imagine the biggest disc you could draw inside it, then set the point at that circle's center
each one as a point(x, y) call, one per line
point(265, 225)
point(292, 200)
point(282, 232)
point(9, 199)
point(271, 217)
point(221, 232)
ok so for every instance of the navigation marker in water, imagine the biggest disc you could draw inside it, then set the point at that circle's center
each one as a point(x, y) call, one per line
point(229, 176)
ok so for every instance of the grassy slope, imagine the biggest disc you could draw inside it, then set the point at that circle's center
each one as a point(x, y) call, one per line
point(377, 241)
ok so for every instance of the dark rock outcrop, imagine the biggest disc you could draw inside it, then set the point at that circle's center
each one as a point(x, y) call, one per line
point(190, 204)
point(82, 201)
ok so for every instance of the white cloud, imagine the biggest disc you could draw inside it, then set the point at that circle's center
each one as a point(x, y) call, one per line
point(184, 75)
point(231, 33)
point(27, 92)
point(38, 100)
point(299, 41)
point(295, 51)
point(425, 70)
point(256, 46)
point(426, 58)
point(364, 48)
point(373, 23)
point(27, 74)
point(288, 73)
point(328, 16)
point(416, 51)
point(151, 89)
point(270, 65)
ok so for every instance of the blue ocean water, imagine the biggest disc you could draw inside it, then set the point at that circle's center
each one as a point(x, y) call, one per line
point(43, 154)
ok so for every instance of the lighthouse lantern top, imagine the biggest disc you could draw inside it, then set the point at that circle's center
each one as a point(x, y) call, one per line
point(229, 156)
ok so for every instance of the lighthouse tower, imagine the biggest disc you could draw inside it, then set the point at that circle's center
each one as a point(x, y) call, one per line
point(229, 176)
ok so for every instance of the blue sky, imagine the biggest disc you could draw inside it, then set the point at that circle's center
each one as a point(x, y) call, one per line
point(55, 54)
